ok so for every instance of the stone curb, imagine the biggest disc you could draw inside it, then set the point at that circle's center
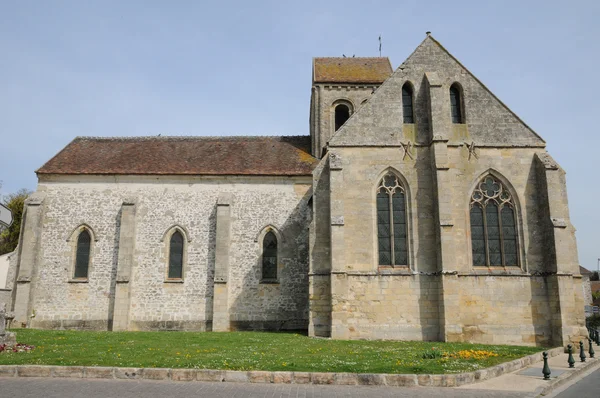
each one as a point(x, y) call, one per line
point(566, 377)
point(257, 376)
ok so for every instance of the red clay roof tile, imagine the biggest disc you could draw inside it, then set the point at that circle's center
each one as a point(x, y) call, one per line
point(351, 70)
point(284, 155)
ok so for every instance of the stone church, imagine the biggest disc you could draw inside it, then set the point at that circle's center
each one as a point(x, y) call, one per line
point(419, 208)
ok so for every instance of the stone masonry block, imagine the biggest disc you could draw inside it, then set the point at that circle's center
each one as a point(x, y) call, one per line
point(256, 376)
point(322, 378)
point(156, 373)
point(236, 376)
point(210, 375)
point(99, 372)
point(67, 371)
point(183, 374)
point(401, 380)
point(34, 371)
point(8, 371)
point(282, 377)
point(128, 373)
point(346, 379)
point(301, 378)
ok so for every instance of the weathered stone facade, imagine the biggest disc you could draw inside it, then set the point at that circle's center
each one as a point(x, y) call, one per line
point(150, 301)
point(330, 276)
point(439, 294)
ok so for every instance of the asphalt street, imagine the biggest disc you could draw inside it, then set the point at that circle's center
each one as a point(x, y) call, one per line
point(589, 386)
point(55, 387)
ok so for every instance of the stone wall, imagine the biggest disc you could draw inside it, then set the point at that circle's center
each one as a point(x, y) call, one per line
point(387, 306)
point(320, 254)
point(324, 99)
point(440, 163)
point(498, 309)
point(588, 299)
point(161, 204)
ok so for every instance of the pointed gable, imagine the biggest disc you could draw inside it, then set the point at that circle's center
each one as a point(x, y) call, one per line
point(489, 122)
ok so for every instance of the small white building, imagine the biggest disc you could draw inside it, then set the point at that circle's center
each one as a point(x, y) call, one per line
point(5, 291)
point(4, 260)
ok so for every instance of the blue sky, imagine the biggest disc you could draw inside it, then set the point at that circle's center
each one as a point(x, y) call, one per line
point(124, 68)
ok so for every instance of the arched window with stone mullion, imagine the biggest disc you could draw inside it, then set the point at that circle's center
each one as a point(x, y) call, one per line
point(391, 222)
point(493, 225)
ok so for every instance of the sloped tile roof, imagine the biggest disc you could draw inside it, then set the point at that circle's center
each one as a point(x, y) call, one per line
point(351, 70)
point(288, 156)
point(584, 271)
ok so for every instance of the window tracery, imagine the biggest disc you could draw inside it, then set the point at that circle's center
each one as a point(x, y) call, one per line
point(391, 221)
point(493, 225)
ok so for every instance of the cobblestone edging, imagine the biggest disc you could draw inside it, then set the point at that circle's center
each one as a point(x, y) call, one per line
point(255, 376)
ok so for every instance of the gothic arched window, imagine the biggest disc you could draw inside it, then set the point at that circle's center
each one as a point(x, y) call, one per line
point(269, 256)
point(407, 103)
point(82, 256)
point(342, 113)
point(176, 256)
point(456, 104)
point(493, 225)
point(391, 221)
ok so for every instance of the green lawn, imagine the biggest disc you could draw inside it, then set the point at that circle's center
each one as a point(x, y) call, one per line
point(253, 351)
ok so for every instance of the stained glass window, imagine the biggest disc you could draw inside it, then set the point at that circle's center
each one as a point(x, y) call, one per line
point(477, 235)
point(391, 222)
point(176, 256)
point(82, 258)
point(269, 256)
point(407, 103)
point(456, 104)
point(493, 225)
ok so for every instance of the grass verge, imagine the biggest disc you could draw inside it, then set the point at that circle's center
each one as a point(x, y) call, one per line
point(254, 351)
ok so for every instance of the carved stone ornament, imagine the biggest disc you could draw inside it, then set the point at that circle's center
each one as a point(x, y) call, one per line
point(335, 161)
point(406, 149)
point(471, 149)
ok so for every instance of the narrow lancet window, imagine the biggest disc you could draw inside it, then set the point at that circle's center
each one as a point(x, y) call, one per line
point(391, 222)
point(342, 113)
point(493, 225)
point(82, 258)
point(176, 256)
point(407, 104)
point(456, 105)
point(269, 257)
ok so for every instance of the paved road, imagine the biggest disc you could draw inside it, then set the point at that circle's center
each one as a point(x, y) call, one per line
point(589, 386)
point(39, 387)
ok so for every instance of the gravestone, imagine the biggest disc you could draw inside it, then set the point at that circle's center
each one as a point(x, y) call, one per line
point(7, 338)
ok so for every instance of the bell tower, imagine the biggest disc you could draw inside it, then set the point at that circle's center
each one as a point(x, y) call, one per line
point(339, 87)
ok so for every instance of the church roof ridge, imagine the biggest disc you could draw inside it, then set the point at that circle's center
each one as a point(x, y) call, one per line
point(383, 58)
point(192, 155)
point(188, 137)
point(357, 70)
